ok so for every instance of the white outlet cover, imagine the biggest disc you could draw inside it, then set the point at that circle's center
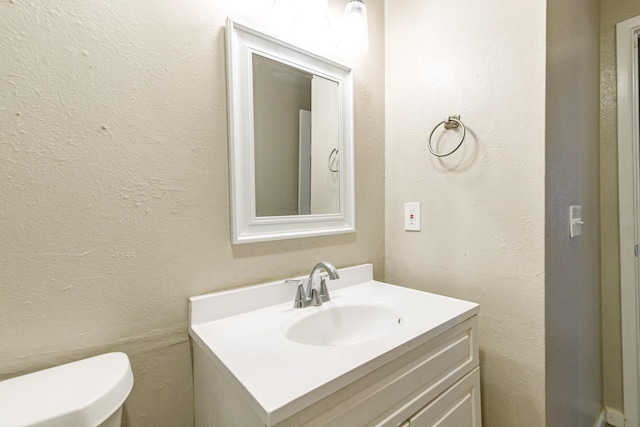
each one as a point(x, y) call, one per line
point(412, 216)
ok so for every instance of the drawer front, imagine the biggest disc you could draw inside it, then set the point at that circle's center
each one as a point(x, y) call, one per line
point(457, 407)
point(391, 394)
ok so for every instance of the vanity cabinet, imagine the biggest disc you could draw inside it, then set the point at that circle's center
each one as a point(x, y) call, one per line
point(376, 355)
point(435, 383)
point(458, 406)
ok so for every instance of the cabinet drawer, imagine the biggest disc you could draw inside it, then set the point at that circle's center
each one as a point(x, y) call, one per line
point(458, 406)
point(391, 394)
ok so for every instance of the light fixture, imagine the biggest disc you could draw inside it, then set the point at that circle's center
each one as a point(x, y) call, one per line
point(356, 31)
point(280, 18)
point(311, 16)
point(311, 24)
point(248, 6)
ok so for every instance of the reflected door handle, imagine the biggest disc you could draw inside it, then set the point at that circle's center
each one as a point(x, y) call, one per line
point(333, 162)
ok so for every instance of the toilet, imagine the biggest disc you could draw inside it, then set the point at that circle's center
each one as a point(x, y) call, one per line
point(86, 393)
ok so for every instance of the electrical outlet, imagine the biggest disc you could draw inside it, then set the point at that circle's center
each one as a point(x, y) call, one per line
point(412, 216)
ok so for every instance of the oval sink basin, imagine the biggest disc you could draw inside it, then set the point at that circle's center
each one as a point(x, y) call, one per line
point(338, 324)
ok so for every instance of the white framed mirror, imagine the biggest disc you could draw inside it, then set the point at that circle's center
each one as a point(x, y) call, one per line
point(291, 148)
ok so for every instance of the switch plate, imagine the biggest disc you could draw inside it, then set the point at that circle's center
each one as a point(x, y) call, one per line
point(412, 216)
point(575, 221)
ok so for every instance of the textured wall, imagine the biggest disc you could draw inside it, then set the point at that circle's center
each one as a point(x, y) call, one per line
point(483, 214)
point(612, 12)
point(113, 190)
point(572, 266)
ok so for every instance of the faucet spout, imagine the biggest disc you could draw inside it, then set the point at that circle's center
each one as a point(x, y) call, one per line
point(317, 293)
point(328, 267)
point(321, 288)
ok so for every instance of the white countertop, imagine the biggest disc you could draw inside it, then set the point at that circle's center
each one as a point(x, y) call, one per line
point(279, 377)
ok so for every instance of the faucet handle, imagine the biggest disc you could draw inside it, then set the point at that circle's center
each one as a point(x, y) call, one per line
point(300, 298)
point(324, 291)
point(315, 298)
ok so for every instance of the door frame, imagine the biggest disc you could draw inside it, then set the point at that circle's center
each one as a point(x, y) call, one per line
point(628, 196)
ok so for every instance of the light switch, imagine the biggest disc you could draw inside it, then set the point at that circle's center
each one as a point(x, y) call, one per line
point(575, 221)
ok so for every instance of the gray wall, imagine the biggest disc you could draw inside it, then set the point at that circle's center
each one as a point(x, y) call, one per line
point(572, 266)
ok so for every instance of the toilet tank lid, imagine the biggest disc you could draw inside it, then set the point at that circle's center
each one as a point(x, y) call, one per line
point(82, 393)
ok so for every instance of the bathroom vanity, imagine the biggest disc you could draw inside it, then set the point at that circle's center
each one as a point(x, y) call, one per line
point(374, 355)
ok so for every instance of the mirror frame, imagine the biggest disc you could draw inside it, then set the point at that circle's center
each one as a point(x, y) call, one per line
point(246, 227)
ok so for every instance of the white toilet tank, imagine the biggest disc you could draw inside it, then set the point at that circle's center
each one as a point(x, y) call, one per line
point(86, 393)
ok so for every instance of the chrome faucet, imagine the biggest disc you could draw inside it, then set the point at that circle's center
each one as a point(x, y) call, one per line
point(316, 293)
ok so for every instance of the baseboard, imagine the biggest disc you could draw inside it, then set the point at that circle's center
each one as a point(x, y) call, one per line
point(601, 421)
point(615, 418)
point(609, 417)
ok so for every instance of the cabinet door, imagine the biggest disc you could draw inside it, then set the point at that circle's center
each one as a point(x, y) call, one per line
point(457, 407)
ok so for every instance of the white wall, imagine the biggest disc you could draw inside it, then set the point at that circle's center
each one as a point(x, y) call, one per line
point(483, 209)
point(494, 216)
point(113, 187)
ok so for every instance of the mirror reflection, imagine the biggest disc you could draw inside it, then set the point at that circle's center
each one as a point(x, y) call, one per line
point(296, 136)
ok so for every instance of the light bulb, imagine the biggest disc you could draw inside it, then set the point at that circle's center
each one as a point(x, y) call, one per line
point(356, 32)
point(311, 24)
point(311, 16)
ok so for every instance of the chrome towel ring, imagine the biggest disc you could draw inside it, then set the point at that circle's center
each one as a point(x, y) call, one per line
point(451, 122)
